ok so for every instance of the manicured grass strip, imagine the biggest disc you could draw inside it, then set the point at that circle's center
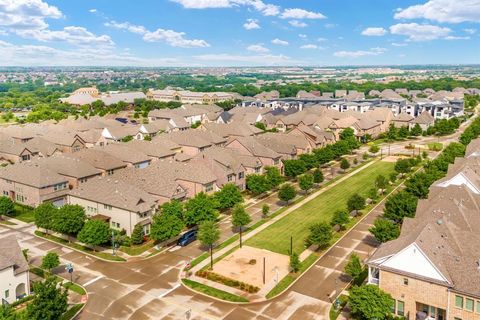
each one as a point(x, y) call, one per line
point(75, 288)
point(23, 213)
point(77, 246)
point(135, 250)
point(213, 291)
point(7, 223)
point(296, 224)
point(68, 285)
point(288, 279)
point(71, 312)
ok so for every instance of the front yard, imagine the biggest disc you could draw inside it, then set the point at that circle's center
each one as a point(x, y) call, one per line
point(276, 237)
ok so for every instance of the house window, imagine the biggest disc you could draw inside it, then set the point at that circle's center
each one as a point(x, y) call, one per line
point(109, 172)
point(469, 304)
point(257, 170)
point(209, 187)
point(393, 309)
point(400, 308)
point(276, 161)
point(459, 301)
point(241, 175)
point(7, 294)
point(19, 198)
point(26, 157)
point(478, 306)
point(83, 180)
point(5, 193)
point(60, 186)
point(106, 206)
point(76, 149)
point(405, 281)
point(230, 177)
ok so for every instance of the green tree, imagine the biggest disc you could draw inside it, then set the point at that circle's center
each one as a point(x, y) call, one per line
point(165, 225)
point(403, 132)
point(6, 206)
point(369, 302)
point(373, 194)
point(69, 219)
point(416, 130)
point(44, 216)
point(265, 210)
point(257, 184)
point(173, 208)
point(403, 166)
point(354, 267)
point(400, 205)
point(344, 164)
point(273, 176)
point(305, 182)
point(294, 262)
point(381, 183)
point(287, 192)
point(209, 234)
point(384, 230)
point(340, 218)
point(355, 203)
point(320, 234)
point(200, 208)
point(228, 196)
point(293, 168)
point(419, 184)
point(50, 261)
point(49, 301)
point(347, 134)
point(94, 233)
point(137, 234)
point(373, 149)
point(240, 219)
point(318, 176)
point(392, 132)
point(393, 176)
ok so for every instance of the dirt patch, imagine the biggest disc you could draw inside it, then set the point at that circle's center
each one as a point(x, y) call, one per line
point(393, 158)
point(246, 265)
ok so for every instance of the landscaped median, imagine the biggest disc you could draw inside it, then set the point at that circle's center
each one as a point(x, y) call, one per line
point(273, 241)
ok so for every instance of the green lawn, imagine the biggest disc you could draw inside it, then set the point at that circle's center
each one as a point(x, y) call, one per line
point(213, 291)
point(277, 236)
point(24, 214)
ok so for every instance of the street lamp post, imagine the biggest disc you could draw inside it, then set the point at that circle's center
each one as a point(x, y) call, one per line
point(113, 242)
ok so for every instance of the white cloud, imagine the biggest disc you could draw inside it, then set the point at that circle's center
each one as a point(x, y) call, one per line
point(399, 44)
point(420, 32)
point(309, 46)
point(303, 36)
point(296, 13)
point(170, 37)
point(321, 39)
point(360, 53)
point(258, 5)
point(297, 24)
point(457, 38)
point(258, 48)
point(280, 42)
point(470, 30)
point(450, 11)
point(330, 25)
point(92, 10)
point(26, 14)
point(374, 31)
point(247, 60)
point(251, 24)
point(72, 34)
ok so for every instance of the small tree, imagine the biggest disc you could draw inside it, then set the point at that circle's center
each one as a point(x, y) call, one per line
point(6, 206)
point(402, 166)
point(69, 219)
point(44, 216)
point(240, 218)
point(49, 301)
point(344, 164)
point(373, 194)
point(200, 208)
point(320, 234)
point(287, 192)
point(393, 176)
point(318, 176)
point(365, 156)
point(354, 267)
point(257, 184)
point(355, 203)
point(273, 176)
point(369, 302)
point(384, 230)
point(400, 205)
point(265, 210)
point(172, 208)
point(306, 182)
point(50, 261)
point(416, 130)
point(293, 168)
point(373, 149)
point(228, 196)
point(209, 234)
point(381, 183)
point(294, 262)
point(165, 226)
point(137, 234)
point(340, 218)
point(94, 233)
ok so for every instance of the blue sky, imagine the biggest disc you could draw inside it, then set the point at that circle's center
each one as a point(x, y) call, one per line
point(239, 32)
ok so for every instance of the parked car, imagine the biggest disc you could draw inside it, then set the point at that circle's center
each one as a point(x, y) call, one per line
point(187, 238)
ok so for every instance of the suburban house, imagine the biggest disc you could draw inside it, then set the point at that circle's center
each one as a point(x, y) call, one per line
point(32, 184)
point(14, 271)
point(120, 204)
point(130, 156)
point(424, 120)
point(100, 160)
point(153, 149)
point(251, 147)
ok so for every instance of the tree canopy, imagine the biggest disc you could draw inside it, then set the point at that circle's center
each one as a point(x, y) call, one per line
point(94, 233)
point(49, 301)
point(369, 302)
point(165, 225)
point(200, 208)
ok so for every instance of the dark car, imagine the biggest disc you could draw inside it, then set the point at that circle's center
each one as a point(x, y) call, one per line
point(187, 237)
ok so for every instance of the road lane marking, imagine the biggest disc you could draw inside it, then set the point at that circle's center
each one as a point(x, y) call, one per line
point(169, 290)
point(93, 280)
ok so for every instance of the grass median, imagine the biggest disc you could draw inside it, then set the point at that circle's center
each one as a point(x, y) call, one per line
point(296, 224)
point(213, 292)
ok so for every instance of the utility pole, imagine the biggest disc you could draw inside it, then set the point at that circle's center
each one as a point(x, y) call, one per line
point(263, 270)
point(113, 242)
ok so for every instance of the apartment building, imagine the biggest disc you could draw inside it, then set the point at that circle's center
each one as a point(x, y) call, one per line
point(14, 274)
point(186, 96)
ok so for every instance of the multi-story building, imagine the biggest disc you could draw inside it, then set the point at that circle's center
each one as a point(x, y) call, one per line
point(14, 275)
